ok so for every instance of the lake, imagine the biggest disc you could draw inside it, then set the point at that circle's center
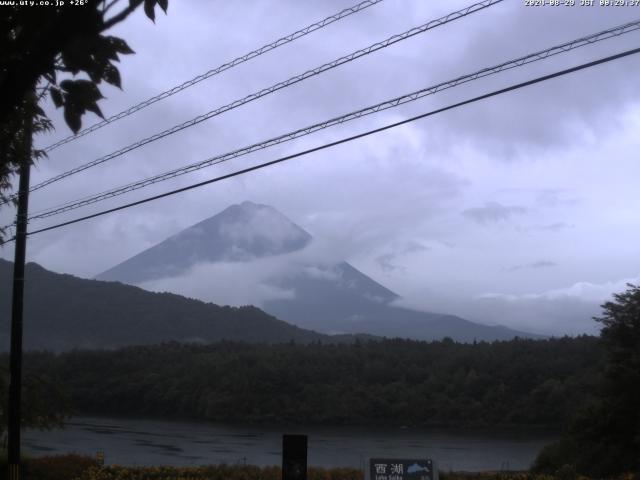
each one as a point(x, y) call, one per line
point(155, 442)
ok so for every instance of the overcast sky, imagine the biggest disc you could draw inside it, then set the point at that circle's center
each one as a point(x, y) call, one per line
point(520, 210)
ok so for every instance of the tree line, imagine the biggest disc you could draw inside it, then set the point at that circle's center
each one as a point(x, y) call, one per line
point(391, 382)
point(588, 386)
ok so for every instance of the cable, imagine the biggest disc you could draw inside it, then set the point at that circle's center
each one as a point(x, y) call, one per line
point(533, 57)
point(278, 86)
point(345, 140)
point(221, 68)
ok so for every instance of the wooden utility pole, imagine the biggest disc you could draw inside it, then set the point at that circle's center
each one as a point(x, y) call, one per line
point(15, 358)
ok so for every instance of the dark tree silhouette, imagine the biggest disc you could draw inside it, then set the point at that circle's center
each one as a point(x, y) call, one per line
point(533, 383)
point(46, 403)
point(604, 437)
point(615, 426)
point(42, 50)
point(39, 44)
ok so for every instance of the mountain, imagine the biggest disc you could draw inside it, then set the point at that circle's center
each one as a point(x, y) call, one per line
point(236, 235)
point(328, 297)
point(64, 312)
point(339, 301)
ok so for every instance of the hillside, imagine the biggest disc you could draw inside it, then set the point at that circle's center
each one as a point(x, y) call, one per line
point(332, 297)
point(240, 233)
point(64, 312)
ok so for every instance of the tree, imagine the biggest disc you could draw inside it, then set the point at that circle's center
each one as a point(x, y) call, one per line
point(43, 51)
point(46, 404)
point(604, 437)
point(39, 44)
point(620, 409)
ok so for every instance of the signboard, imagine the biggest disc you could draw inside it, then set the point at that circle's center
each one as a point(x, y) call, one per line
point(401, 469)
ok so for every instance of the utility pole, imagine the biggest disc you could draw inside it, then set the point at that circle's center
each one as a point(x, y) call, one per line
point(15, 358)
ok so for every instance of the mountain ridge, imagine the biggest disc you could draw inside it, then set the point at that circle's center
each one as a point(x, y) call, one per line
point(236, 242)
point(334, 298)
point(63, 312)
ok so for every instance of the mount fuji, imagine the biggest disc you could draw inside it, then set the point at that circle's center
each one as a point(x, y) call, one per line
point(326, 296)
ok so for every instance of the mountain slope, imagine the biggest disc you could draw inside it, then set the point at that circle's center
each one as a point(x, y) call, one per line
point(333, 298)
point(236, 234)
point(337, 305)
point(64, 312)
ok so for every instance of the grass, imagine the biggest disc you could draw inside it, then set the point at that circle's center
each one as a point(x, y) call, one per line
point(78, 467)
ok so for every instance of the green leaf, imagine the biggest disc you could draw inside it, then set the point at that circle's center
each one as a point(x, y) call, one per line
point(72, 117)
point(105, 49)
point(112, 75)
point(95, 72)
point(39, 154)
point(164, 4)
point(76, 56)
point(80, 96)
point(56, 96)
point(120, 45)
point(149, 9)
point(67, 85)
point(82, 91)
point(93, 107)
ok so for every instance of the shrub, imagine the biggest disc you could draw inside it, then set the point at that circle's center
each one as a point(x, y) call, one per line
point(59, 467)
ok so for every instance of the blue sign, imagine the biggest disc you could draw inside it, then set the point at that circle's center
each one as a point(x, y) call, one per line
point(400, 469)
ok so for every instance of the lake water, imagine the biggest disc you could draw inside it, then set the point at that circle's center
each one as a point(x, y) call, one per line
point(153, 442)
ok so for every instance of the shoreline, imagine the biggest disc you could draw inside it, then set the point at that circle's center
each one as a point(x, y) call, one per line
point(153, 442)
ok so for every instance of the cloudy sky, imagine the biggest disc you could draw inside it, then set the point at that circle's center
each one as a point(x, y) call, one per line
point(520, 210)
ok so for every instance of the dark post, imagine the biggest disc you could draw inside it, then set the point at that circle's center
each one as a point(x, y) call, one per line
point(294, 457)
point(15, 358)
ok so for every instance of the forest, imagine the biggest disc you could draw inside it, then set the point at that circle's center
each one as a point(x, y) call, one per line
point(393, 382)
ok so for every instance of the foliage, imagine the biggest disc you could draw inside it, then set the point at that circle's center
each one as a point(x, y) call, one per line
point(76, 467)
point(60, 467)
point(562, 475)
point(212, 472)
point(604, 436)
point(621, 337)
point(110, 314)
point(29, 119)
point(555, 456)
point(44, 50)
point(401, 382)
point(44, 402)
point(40, 43)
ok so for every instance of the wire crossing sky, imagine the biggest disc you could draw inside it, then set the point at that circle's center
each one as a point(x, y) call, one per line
point(214, 71)
point(345, 140)
point(394, 102)
point(476, 7)
point(520, 210)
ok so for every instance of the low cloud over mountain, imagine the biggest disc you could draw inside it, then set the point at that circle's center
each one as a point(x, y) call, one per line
point(252, 254)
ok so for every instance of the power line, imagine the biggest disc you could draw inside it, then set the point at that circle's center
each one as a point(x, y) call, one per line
point(278, 86)
point(345, 140)
point(530, 58)
point(219, 69)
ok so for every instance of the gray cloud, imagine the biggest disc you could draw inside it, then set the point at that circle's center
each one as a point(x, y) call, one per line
point(552, 227)
point(554, 198)
point(235, 284)
point(493, 212)
point(537, 153)
point(249, 282)
point(385, 261)
point(567, 310)
point(534, 265)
